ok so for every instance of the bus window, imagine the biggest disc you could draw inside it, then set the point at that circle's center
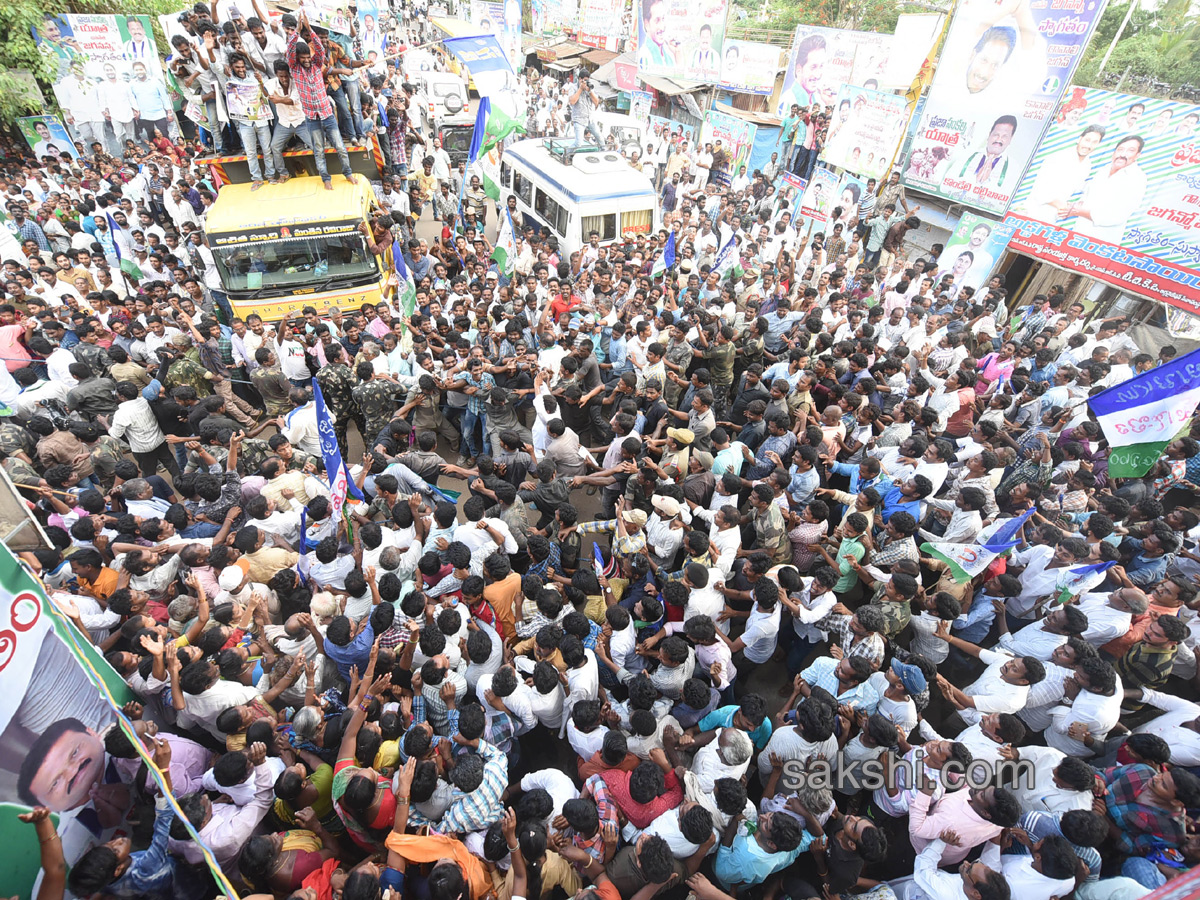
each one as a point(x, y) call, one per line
point(639, 221)
point(550, 210)
point(523, 188)
point(505, 174)
point(605, 225)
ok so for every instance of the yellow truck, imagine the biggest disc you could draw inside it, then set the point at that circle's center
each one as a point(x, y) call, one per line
point(291, 245)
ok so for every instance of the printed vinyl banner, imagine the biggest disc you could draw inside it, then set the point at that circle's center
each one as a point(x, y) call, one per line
point(817, 201)
point(1002, 70)
point(681, 39)
point(823, 59)
point(1114, 192)
point(600, 23)
point(109, 82)
point(736, 137)
point(46, 136)
point(749, 67)
point(914, 37)
point(639, 106)
point(972, 251)
point(671, 131)
point(850, 191)
point(866, 129)
point(332, 14)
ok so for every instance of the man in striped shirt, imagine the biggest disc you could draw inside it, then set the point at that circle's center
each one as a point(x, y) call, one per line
point(305, 59)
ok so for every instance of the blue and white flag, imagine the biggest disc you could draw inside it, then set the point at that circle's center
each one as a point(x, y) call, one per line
point(664, 262)
point(490, 67)
point(302, 563)
point(965, 561)
point(1139, 417)
point(1081, 579)
point(335, 470)
point(726, 258)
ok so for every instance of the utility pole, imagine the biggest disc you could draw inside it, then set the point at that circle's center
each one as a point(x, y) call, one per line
point(1133, 4)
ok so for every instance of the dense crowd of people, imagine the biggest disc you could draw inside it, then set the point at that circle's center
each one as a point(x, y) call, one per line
point(681, 633)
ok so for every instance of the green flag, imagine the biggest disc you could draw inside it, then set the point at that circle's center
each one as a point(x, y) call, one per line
point(499, 126)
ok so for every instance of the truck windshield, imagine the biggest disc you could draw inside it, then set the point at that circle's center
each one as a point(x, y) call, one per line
point(294, 262)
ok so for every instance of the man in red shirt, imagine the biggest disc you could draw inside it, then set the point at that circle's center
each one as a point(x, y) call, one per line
point(306, 59)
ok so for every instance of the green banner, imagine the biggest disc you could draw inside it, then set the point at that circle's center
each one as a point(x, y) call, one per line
point(1135, 460)
point(59, 697)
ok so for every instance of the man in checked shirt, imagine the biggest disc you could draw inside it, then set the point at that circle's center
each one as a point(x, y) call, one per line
point(306, 59)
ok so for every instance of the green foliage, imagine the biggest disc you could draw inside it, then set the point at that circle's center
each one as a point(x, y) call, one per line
point(19, 17)
point(1157, 48)
point(784, 15)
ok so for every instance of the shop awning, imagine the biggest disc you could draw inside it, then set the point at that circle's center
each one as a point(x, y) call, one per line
point(599, 57)
point(558, 51)
point(669, 86)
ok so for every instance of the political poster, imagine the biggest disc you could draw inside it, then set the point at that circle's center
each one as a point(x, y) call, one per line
point(749, 67)
point(972, 251)
point(46, 136)
point(681, 39)
point(914, 38)
point(369, 30)
point(246, 101)
point(823, 59)
point(673, 132)
point(817, 201)
point(492, 18)
point(792, 189)
point(866, 129)
point(60, 702)
point(600, 23)
point(735, 136)
point(1113, 192)
point(639, 106)
point(847, 201)
point(1002, 71)
point(107, 77)
point(332, 14)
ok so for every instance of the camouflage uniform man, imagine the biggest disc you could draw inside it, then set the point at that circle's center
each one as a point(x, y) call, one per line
point(270, 382)
point(106, 452)
point(253, 452)
point(186, 370)
point(679, 353)
point(17, 441)
point(770, 531)
point(293, 458)
point(337, 386)
point(90, 352)
point(374, 399)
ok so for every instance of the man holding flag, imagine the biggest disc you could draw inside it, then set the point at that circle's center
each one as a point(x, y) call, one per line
point(340, 483)
point(666, 262)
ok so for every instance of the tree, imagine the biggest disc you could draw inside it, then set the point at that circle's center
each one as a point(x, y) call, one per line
point(1159, 49)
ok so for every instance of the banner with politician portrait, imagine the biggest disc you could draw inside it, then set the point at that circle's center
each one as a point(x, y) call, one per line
point(1002, 70)
point(823, 59)
point(46, 137)
point(866, 129)
point(64, 744)
point(817, 200)
point(1113, 192)
point(107, 77)
point(749, 67)
point(972, 251)
point(681, 39)
point(735, 136)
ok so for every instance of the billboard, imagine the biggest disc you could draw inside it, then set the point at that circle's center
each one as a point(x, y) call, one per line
point(998, 81)
point(735, 135)
point(60, 698)
point(639, 106)
point(866, 129)
point(332, 14)
point(681, 39)
point(662, 129)
point(46, 136)
point(971, 253)
point(817, 201)
point(823, 59)
point(749, 67)
point(847, 201)
point(107, 77)
point(1113, 192)
point(600, 23)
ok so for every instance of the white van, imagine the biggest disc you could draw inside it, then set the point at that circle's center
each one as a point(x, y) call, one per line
point(445, 96)
point(574, 194)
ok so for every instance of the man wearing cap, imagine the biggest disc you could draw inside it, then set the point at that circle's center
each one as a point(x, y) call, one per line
point(629, 539)
point(236, 587)
point(664, 530)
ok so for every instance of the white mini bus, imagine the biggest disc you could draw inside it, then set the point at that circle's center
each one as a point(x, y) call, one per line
point(575, 192)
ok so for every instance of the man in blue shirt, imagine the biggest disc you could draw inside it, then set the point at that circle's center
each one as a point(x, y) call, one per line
point(748, 859)
point(907, 497)
point(346, 648)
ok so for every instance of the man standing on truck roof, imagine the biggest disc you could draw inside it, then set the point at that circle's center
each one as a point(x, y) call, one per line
point(305, 59)
point(583, 101)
